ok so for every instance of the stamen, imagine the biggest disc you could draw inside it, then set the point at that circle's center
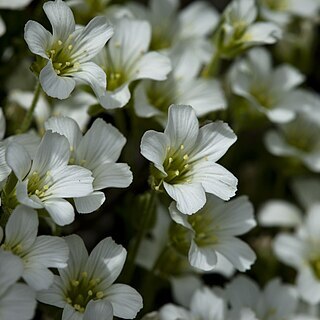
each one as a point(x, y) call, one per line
point(70, 46)
point(177, 172)
point(60, 42)
point(75, 283)
point(99, 294)
point(185, 157)
point(182, 147)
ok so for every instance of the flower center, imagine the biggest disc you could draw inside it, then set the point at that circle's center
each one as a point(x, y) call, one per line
point(315, 265)
point(81, 291)
point(39, 185)
point(115, 80)
point(263, 97)
point(202, 225)
point(303, 135)
point(276, 5)
point(17, 249)
point(160, 39)
point(62, 57)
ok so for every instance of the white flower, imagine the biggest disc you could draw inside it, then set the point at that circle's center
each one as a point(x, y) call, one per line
point(153, 98)
point(205, 305)
point(276, 301)
point(2, 124)
point(17, 300)
point(238, 30)
point(89, 279)
point(45, 181)
point(270, 91)
point(125, 59)
point(98, 150)
point(302, 252)
point(211, 233)
point(297, 139)
point(37, 253)
point(184, 159)
point(67, 51)
point(174, 30)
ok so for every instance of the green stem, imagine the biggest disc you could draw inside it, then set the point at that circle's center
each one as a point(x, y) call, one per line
point(211, 69)
point(28, 117)
point(145, 223)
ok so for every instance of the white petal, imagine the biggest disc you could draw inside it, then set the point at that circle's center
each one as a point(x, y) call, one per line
point(98, 310)
point(77, 259)
point(203, 95)
point(280, 115)
point(106, 262)
point(117, 98)
point(17, 4)
point(55, 295)
point(53, 152)
point(290, 250)
point(2, 124)
point(70, 182)
point(18, 160)
point(37, 38)
point(112, 175)
point(215, 179)
point(125, 300)
point(49, 251)
point(308, 286)
point(286, 77)
point(243, 291)
point(203, 258)
point(92, 38)
point(192, 24)
point(102, 143)
point(23, 196)
point(22, 228)
point(53, 85)
point(182, 127)
point(90, 203)
point(154, 148)
point(69, 313)
point(37, 277)
point(2, 27)
point(276, 144)
point(60, 210)
point(279, 213)
point(131, 37)
point(179, 217)
point(67, 127)
point(213, 141)
point(4, 168)
point(264, 32)
point(152, 65)
point(19, 303)
point(94, 76)
point(189, 197)
point(312, 221)
point(11, 269)
point(61, 19)
point(237, 252)
point(234, 217)
point(172, 312)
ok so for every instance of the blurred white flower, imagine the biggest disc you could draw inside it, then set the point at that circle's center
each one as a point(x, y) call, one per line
point(67, 51)
point(284, 11)
point(126, 59)
point(17, 300)
point(238, 30)
point(276, 301)
point(211, 233)
point(98, 150)
point(204, 305)
point(186, 29)
point(153, 98)
point(44, 181)
point(88, 280)
point(301, 251)
point(36, 253)
point(297, 139)
point(184, 159)
point(270, 91)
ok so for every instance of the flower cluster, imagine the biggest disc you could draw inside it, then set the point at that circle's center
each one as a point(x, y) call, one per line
point(137, 141)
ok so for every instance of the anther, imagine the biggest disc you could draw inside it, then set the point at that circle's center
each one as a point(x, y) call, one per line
point(182, 147)
point(75, 283)
point(70, 46)
point(177, 172)
point(186, 166)
point(170, 160)
point(68, 63)
point(185, 157)
point(90, 293)
point(69, 300)
point(99, 295)
point(60, 42)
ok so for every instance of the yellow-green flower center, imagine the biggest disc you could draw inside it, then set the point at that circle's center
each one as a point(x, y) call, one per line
point(63, 58)
point(263, 97)
point(315, 265)
point(115, 79)
point(81, 291)
point(39, 185)
point(160, 39)
point(276, 5)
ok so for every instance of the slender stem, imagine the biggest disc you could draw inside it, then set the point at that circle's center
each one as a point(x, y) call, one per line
point(211, 69)
point(28, 117)
point(145, 223)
